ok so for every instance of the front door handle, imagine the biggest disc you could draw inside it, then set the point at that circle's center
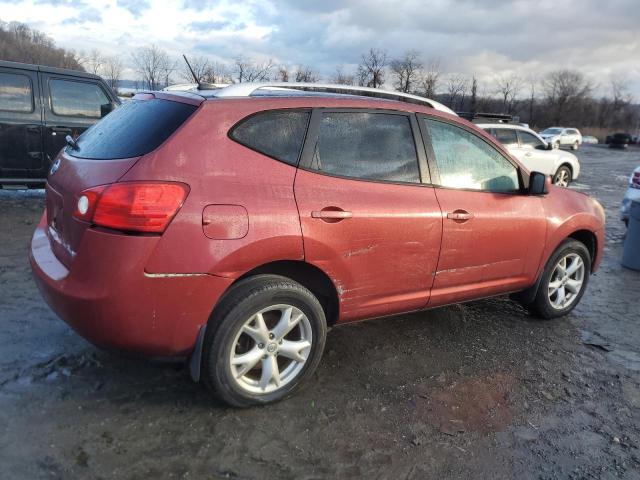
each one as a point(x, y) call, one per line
point(331, 214)
point(460, 215)
point(528, 154)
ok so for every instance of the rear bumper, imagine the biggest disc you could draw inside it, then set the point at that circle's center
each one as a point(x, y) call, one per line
point(108, 298)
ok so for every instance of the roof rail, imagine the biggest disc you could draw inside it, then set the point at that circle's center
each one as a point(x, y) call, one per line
point(496, 117)
point(247, 89)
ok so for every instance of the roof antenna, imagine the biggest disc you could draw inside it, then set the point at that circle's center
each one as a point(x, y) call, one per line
point(192, 72)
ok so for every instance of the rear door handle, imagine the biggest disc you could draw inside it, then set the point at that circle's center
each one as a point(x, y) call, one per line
point(56, 130)
point(335, 215)
point(460, 215)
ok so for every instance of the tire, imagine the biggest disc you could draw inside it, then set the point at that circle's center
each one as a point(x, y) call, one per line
point(543, 306)
point(575, 145)
point(563, 176)
point(556, 145)
point(268, 297)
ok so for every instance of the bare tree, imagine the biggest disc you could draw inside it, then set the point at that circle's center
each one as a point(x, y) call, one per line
point(406, 71)
point(283, 74)
point(200, 66)
point(21, 43)
point(473, 107)
point(153, 65)
point(341, 78)
point(372, 68)
point(508, 87)
point(94, 61)
point(306, 74)
point(248, 71)
point(456, 86)
point(532, 100)
point(112, 69)
point(565, 91)
point(430, 78)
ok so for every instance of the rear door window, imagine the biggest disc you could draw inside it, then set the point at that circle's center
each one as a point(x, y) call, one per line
point(371, 146)
point(16, 93)
point(278, 134)
point(506, 136)
point(131, 130)
point(77, 99)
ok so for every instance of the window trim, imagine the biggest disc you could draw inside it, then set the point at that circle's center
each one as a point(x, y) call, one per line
point(433, 166)
point(33, 106)
point(65, 79)
point(314, 131)
point(273, 110)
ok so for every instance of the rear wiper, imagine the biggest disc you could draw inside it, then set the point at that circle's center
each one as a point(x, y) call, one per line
point(71, 142)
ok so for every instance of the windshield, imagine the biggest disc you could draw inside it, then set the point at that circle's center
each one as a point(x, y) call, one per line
point(552, 131)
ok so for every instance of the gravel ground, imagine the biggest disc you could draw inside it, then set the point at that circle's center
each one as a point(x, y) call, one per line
point(475, 390)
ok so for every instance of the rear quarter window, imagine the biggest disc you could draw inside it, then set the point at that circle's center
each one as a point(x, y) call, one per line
point(131, 130)
point(278, 133)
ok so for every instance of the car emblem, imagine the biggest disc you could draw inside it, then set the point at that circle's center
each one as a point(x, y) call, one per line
point(55, 167)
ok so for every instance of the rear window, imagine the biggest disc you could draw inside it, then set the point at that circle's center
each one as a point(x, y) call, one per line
point(278, 133)
point(132, 130)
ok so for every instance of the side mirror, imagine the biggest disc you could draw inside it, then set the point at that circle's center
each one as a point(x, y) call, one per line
point(105, 109)
point(538, 184)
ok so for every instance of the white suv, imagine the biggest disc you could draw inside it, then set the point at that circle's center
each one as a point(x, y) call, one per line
point(562, 137)
point(527, 146)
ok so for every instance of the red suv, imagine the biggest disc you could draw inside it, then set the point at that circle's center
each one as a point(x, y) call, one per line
point(234, 230)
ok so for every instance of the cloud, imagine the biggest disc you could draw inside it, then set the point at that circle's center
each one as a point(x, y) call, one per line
point(487, 38)
point(134, 7)
point(87, 15)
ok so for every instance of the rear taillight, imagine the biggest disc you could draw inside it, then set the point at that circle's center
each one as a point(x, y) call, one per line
point(131, 206)
point(634, 181)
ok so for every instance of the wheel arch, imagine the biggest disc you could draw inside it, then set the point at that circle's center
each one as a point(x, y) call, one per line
point(589, 240)
point(586, 237)
point(307, 275)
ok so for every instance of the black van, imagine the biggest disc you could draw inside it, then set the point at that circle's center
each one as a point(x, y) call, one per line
point(39, 107)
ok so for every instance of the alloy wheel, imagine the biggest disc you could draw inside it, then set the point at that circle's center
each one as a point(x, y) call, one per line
point(270, 349)
point(562, 178)
point(566, 281)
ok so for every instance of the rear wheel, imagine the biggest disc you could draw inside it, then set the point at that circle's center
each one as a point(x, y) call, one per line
point(564, 280)
point(270, 337)
point(562, 178)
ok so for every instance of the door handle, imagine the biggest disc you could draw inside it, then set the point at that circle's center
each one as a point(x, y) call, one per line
point(528, 154)
point(56, 130)
point(331, 215)
point(462, 215)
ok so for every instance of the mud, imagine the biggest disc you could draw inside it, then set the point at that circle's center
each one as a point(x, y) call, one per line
point(476, 390)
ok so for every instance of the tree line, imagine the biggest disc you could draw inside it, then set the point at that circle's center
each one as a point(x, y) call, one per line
point(560, 97)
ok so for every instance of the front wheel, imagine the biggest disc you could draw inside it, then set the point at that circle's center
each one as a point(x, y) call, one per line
point(575, 145)
point(267, 337)
point(562, 178)
point(564, 280)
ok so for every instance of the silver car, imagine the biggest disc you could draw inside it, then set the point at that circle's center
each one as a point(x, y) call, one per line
point(632, 195)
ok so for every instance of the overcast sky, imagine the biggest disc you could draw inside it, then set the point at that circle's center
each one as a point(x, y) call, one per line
point(487, 38)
